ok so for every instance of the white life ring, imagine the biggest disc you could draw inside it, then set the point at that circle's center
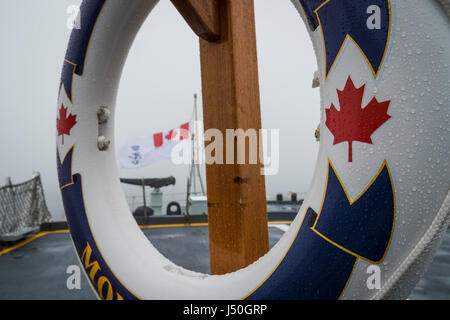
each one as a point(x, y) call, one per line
point(381, 197)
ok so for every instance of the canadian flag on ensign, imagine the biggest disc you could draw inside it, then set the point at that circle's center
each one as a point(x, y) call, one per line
point(139, 152)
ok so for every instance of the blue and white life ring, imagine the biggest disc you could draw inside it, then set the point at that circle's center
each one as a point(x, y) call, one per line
point(380, 192)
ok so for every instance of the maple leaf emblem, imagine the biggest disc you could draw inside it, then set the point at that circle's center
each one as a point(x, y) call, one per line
point(353, 123)
point(65, 123)
point(171, 135)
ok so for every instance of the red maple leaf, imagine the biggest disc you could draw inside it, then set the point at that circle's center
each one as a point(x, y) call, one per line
point(353, 123)
point(171, 135)
point(65, 123)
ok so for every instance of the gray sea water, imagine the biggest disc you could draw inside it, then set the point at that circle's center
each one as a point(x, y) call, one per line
point(435, 284)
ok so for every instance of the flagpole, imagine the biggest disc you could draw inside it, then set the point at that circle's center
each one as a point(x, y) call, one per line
point(194, 169)
point(197, 147)
point(194, 147)
point(196, 129)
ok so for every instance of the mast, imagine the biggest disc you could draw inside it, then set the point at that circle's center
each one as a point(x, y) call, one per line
point(195, 168)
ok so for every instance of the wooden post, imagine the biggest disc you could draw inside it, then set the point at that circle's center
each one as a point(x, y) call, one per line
point(237, 211)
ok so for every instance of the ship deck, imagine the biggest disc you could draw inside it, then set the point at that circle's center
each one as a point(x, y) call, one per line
point(36, 268)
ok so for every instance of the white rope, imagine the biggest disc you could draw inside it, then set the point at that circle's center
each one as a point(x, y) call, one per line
point(428, 242)
point(446, 5)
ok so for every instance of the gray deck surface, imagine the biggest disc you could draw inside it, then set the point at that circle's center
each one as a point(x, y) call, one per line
point(37, 270)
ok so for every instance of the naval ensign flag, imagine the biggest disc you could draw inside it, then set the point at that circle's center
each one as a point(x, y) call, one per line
point(139, 152)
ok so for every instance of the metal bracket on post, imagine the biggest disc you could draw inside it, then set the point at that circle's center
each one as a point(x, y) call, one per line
point(103, 114)
point(202, 16)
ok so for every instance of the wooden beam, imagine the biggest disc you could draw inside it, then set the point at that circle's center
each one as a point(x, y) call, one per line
point(202, 16)
point(237, 212)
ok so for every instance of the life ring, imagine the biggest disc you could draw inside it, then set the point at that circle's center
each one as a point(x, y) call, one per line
point(380, 192)
point(170, 211)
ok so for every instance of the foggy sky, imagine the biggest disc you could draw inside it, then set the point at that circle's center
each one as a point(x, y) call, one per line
point(161, 74)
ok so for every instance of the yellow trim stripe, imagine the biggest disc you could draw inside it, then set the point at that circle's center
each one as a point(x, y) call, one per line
point(374, 73)
point(72, 148)
point(351, 202)
point(321, 206)
point(85, 56)
point(31, 238)
point(348, 280)
point(44, 233)
point(276, 267)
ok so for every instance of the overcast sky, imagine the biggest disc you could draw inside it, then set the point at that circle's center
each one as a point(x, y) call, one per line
point(160, 77)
